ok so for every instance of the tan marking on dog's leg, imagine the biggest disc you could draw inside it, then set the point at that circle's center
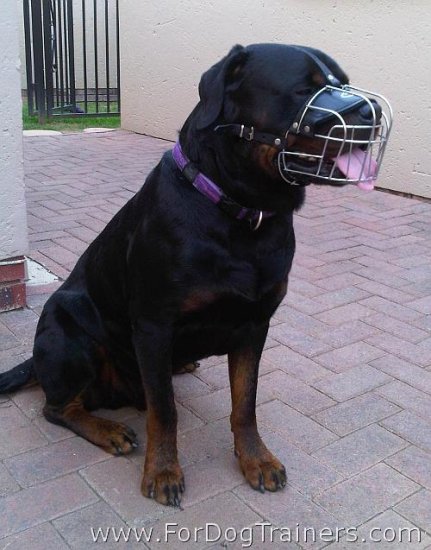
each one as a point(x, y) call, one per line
point(113, 437)
point(259, 466)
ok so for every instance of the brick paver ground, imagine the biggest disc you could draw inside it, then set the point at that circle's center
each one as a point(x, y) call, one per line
point(345, 387)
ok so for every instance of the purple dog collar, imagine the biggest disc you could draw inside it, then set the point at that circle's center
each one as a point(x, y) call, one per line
point(208, 188)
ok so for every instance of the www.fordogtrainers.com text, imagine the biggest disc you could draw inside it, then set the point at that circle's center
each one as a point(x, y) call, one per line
point(256, 534)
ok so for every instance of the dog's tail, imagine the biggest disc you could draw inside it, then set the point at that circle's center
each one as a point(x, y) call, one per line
point(21, 375)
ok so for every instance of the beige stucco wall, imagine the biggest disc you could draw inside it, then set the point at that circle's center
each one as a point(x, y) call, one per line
point(13, 224)
point(383, 45)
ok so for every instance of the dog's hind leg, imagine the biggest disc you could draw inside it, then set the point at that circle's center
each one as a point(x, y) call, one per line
point(113, 437)
point(67, 366)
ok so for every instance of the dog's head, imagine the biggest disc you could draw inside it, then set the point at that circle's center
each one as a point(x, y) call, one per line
point(291, 113)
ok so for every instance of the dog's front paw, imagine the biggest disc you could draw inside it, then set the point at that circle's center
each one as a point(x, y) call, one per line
point(166, 486)
point(264, 471)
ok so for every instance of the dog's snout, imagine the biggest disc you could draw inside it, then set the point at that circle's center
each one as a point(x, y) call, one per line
point(370, 111)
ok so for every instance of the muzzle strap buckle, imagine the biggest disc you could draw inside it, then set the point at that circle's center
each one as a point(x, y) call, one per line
point(249, 136)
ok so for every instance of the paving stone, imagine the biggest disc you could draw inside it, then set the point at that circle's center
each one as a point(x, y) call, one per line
point(400, 312)
point(413, 463)
point(298, 341)
point(347, 333)
point(304, 472)
point(397, 328)
point(304, 287)
point(401, 348)
point(310, 306)
point(208, 478)
point(351, 383)
point(293, 392)
point(7, 483)
point(407, 397)
point(217, 377)
point(413, 375)
point(356, 413)
point(118, 482)
point(43, 503)
point(294, 426)
point(417, 509)
point(11, 416)
point(212, 406)
point(20, 437)
point(298, 321)
point(290, 509)
point(30, 400)
point(423, 305)
point(11, 358)
point(411, 427)
point(360, 450)
point(54, 460)
point(51, 431)
point(207, 441)
point(7, 339)
point(225, 511)
point(60, 254)
point(361, 497)
point(42, 537)
point(294, 363)
point(387, 292)
point(424, 322)
point(344, 314)
point(341, 289)
point(187, 386)
point(344, 358)
point(79, 528)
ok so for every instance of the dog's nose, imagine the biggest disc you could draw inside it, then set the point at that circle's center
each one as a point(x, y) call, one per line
point(369, 111)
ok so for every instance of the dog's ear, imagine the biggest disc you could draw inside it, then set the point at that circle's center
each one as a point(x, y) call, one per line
point(213, 84)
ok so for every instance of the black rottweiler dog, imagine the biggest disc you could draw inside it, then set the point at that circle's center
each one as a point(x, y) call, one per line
point(184, 272)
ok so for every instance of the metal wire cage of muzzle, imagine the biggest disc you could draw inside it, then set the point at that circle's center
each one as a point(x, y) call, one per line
point(348, 129)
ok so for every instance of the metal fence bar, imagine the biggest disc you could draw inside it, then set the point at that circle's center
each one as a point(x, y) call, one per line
point(47, 46)
point(28, 56)
point(107, 56)
point(55, 53)
point(117, 28)
point(96, 66)
point(66, 54)
point(39, 80)
point(84, 59)
point(71, 44)
point(61, 56)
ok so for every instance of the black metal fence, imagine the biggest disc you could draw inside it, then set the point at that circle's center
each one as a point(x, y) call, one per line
point(72, 57)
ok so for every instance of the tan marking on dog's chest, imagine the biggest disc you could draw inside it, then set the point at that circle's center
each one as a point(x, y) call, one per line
point(198, 299)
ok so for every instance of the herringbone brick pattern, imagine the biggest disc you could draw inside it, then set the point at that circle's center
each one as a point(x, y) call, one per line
point(345, 387)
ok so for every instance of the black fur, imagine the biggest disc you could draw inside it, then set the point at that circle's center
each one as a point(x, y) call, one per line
point(172, 278)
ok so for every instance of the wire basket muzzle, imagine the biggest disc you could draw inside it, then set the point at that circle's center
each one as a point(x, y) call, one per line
point(340, 137)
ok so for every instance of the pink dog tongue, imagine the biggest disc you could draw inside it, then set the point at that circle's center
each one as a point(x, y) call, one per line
point(351, 164)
